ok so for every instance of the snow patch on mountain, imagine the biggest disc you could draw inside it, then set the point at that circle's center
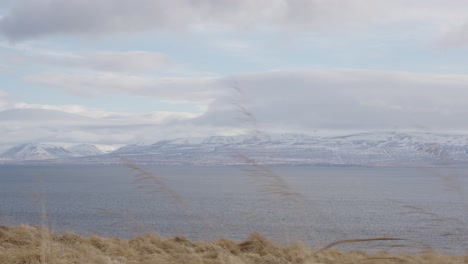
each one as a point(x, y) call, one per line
point(83, 150)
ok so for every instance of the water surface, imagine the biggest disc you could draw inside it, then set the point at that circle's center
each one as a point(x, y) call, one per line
point(426, 206)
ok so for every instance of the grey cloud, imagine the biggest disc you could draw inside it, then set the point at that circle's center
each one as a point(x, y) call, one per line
point(305, 100)
point(4, 99)
point(456, 38)
point(34, 18)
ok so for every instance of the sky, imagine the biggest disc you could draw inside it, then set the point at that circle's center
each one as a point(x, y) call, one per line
point(119, 72)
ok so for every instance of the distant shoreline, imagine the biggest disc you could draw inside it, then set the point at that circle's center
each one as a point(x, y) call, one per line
point(321, 165)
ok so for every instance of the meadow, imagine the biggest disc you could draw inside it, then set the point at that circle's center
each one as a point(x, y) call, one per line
point(26, 244)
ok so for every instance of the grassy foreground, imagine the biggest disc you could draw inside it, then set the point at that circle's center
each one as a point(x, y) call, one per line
point(27, 244)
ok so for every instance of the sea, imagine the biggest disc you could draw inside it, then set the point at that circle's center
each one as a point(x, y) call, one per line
point(424, 208)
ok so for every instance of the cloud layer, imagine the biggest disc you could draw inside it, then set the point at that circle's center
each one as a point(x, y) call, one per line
point(28, 19)
point(175, 89)
point(73, 124)
point(317, 99)
point(305, 100)
point(111, 61)
point(102, 61)
point(201, 66)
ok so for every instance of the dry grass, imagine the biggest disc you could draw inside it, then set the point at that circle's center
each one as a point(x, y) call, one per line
point(23, 244)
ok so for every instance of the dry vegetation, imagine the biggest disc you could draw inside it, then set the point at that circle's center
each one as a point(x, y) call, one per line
point(26, 244)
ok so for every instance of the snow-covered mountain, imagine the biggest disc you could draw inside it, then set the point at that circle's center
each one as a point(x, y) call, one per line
point(36, 152)
point(83, 150)
point(43, 152)
point(364, 149)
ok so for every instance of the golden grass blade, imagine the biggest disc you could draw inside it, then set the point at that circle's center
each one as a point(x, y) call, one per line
point(349, 241)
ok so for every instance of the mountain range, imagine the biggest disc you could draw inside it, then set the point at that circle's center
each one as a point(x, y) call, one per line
point(30, 152)
point(363, 149)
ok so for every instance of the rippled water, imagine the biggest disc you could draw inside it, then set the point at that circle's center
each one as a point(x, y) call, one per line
point(428, 207)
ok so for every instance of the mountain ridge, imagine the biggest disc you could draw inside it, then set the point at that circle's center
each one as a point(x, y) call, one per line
point(35, 151)
point(359, 149)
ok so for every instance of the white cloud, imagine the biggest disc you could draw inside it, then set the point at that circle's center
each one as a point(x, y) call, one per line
point(195, 90)
point(4, 67)
point(106, 61)
point(234, 45)
point(9, 62)
point(77, 124)
point(132, 61)
point(4, 99)
point(34, 18)
point(109, 61)
point(72, 109)
point(107, 117)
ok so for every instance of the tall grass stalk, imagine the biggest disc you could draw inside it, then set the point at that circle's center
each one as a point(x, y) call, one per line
point(153, 183)
point(45, 240)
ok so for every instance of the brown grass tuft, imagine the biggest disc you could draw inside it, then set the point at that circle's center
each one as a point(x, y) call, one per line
point(22, 244)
